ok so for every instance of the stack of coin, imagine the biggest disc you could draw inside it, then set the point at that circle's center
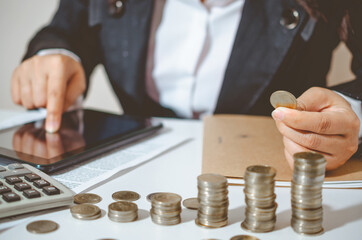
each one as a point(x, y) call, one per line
point(85, 211)
point(308, 177)
point(259, 199)
point(166, 208)
point(123, 211)
point(213, 201)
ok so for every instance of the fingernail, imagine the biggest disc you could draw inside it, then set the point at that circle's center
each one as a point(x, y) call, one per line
point(278, 114)
point(51, 125)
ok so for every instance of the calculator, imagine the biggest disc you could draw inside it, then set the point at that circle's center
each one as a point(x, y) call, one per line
point(25, 189)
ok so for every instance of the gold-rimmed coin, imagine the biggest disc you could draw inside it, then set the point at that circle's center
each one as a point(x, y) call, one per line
point(244, 237)
point(87, 198)
point(191, 203)
point(42, 226)
point(125, 196)
point(283, 99)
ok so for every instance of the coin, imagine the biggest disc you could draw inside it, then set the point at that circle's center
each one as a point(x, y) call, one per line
point(123, 211)
point(191, 203)
point(166, 208)
point(85, 211)
point(306, 191)
point(165, 198)
point(87, 198)
point(42, 226)
point(149, 196)
point(244, 237)
point(259, 198)
point(125, 196)
point(213, 201)
point(283, 99)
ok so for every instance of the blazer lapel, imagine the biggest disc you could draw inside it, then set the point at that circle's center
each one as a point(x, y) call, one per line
point(260, 46)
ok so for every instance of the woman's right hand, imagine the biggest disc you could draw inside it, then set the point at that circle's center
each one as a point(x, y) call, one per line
point(52, 81)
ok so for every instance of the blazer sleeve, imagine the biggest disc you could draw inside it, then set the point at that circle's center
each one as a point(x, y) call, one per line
point(69, 29)
point(354, 43)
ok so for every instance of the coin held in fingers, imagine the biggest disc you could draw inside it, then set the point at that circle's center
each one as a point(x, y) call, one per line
point(283, 99)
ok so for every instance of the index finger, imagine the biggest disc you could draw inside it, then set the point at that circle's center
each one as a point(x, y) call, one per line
point(317, 122)
point(55, 103)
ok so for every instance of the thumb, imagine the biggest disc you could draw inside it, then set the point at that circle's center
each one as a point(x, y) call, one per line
point(315, 99)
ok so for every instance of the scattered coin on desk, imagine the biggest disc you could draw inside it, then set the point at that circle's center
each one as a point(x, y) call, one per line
point(283, 99)
point(42, 226)
point(166, 208)
point(244, 237)
point(191, 203)
point(308, 177)
point(259, 198)
point(86, 211)
point(125, 196)
point(123, 211)
point(214, 201)
point(87, 198)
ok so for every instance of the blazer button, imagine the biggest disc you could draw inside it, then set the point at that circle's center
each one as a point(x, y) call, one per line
point(290, 18)
point(116, 7)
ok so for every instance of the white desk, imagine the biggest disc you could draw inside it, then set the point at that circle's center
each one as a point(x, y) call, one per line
point(176, 171)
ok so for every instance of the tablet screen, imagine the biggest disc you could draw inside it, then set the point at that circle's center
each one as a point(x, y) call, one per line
point(81, 131)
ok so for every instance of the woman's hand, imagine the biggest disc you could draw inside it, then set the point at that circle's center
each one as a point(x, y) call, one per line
point(52, 81)
point(324, 123)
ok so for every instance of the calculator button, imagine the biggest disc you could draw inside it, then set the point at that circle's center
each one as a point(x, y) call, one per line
point(15, 166)
point(51, 190)
point(4, 189)
point(31, 193)
point(41, 183)
point(2, 169)
point(32, 177)
point(22, 186)
point(13, 180)
point(11, 197)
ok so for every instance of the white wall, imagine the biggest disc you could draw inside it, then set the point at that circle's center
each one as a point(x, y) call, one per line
point(19, 19)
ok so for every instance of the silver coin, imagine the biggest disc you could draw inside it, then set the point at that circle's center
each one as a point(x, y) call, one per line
point(87, 198)
point(149, 196)
point(244, 237)
point(85, 211)
point(283, 99)
point(125, 196)
point(191, 203)
point(42, 226)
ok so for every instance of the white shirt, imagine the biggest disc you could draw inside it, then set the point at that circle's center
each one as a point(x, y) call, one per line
point(193, 43)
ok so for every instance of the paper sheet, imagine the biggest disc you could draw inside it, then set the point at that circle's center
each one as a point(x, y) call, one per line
point(83, 176)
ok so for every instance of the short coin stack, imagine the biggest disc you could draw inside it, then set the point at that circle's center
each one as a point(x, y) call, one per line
point(213, 200)
point(308, 177)
point(259, 199)
point(123, 211)
point(166, 208)
point(85, 211)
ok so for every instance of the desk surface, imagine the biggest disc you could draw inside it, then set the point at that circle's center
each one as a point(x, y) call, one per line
point(176, 171)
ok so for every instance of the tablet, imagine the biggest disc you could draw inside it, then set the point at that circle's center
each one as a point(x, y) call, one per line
point(83, 134)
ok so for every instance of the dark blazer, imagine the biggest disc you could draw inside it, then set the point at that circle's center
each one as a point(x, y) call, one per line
point(266, 55)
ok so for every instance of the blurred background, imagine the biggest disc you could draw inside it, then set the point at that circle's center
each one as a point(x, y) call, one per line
point(20, 19)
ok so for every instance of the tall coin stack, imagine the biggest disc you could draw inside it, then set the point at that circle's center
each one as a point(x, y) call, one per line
point(123, 211)
point(259, 199)
point(166, 208)
point(213, 199)
point(308, 177)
